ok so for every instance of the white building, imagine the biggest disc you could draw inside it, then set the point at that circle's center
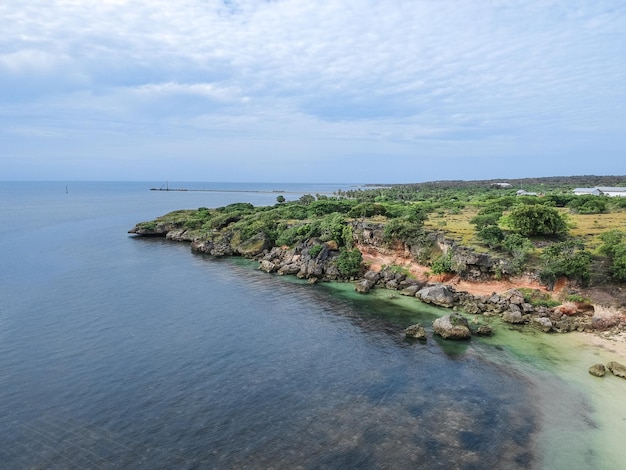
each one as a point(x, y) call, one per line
point(616, 191)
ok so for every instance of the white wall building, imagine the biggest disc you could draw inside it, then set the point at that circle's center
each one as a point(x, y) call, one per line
point(616, 191)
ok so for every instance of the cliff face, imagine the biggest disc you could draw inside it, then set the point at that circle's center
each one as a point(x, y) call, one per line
point(468, 264)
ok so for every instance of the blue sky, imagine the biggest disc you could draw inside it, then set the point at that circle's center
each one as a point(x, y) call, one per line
point(300, 90)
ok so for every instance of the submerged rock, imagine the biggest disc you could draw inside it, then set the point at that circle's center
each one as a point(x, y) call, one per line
point(617, 369)
point(484, 330)
point(598, 370)
point(416, 331)
point(452, 326)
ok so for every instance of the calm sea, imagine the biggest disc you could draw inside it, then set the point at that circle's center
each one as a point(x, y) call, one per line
point(119, 352)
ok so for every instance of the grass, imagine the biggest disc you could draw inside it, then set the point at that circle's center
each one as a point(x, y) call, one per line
point(588, 226)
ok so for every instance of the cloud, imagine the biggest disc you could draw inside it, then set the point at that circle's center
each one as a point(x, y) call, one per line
point(421, 78)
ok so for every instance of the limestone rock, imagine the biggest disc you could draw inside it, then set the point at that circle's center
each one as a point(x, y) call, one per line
point(363, 286)
point(416, 331)
point(267, 266)
point(543, 323)
point(513, 315)
point(452, 326)
point(619, 370)
point(438, 294)
point(598, 370)
point(410, 291)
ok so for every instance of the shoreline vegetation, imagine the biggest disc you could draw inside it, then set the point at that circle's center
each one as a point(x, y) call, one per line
point(528, 251)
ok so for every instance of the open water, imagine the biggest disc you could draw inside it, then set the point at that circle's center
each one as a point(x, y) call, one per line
point(120, 352)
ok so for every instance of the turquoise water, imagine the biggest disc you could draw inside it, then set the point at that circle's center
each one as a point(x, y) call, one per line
point(118, 352)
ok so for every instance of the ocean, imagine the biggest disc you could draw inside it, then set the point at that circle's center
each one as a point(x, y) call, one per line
point(123, 352)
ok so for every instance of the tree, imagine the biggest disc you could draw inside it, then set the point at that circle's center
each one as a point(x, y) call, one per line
point(537, 220)
point(306, 200)
point(280, 199)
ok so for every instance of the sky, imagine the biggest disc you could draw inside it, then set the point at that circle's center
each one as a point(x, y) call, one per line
point(363, 91)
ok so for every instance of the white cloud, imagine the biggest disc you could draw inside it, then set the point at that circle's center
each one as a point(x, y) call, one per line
point(357, 71)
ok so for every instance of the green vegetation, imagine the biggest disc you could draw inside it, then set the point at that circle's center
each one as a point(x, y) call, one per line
point(349, 262)
point(554, 234)
point(538, 298)
point(614, 247)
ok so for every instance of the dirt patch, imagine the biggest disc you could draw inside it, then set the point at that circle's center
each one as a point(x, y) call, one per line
point(377, 260)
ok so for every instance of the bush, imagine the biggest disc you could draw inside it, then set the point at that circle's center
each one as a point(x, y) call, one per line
point(537, 220)
point(442, 265)
point(349, 262)
point(614, 247)
point(298, 233)
point(315, 250)
point(568, 259)
point(491, 235)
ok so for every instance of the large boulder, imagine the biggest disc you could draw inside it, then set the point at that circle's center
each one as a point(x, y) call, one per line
point(438, 294)
point(513, 315)
point(598, 370)
point(363, 286)
point(267, 266)
point(543, 323)
point(617, 369)
point(452, 326)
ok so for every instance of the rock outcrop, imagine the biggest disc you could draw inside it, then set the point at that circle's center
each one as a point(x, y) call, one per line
point(442, 295)
point(452, 326)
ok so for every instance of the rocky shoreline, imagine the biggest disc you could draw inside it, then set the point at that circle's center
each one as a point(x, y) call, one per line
point(316, 260)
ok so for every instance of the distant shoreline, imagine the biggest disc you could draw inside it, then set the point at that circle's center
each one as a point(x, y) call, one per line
point(260, 191)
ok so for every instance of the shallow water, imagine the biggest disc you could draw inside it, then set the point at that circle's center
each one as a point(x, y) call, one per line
point(117, 352)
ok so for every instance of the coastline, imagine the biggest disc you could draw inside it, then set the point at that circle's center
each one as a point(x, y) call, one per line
point(606, 341)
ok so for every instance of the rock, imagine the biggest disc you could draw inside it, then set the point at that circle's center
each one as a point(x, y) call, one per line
point(267, 266)
point(543, 323)
point(253, 246)
point(179, 235)
point(452, 326)
point(416, 331)
point(363, 286)
point(514, 297)
point(513, 315)
point(598, 370)
point(289, 269)
point(438, 294)
point(617, 369)
point(484, 330)
point(568, 308)
point(410, 291)
point(372, 276)
point(332, 245)
point(391, 285)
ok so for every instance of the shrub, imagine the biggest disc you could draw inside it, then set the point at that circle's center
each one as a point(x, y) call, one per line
point(442, 265)
point(614, 247)
point(537, 220)
point(349, 262)
point(331, 227)
point(491, 235)
point(568, 259)
point(315, 250)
